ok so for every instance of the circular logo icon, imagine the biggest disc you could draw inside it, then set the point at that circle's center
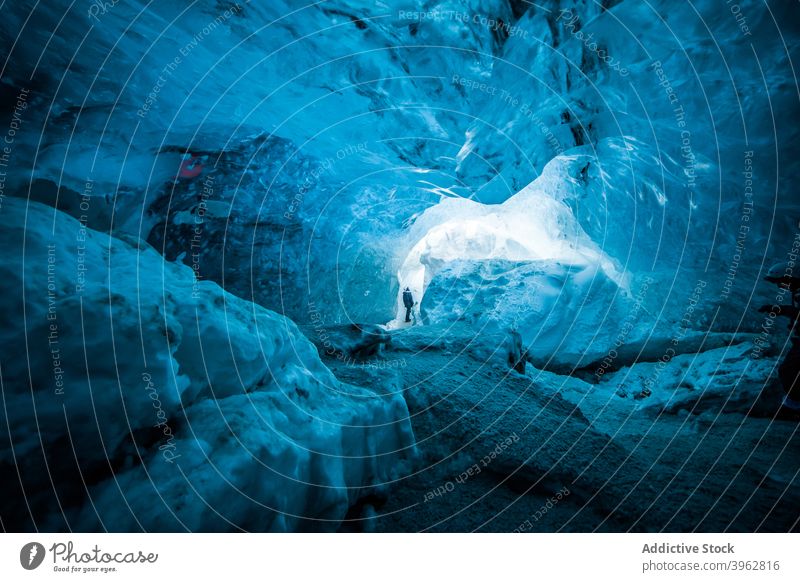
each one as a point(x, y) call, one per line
point(31, 555)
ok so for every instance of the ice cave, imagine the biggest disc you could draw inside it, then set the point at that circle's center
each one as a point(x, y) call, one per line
point(400, 266)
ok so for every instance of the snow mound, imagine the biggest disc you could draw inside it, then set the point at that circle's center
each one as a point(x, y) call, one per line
point(566, 313)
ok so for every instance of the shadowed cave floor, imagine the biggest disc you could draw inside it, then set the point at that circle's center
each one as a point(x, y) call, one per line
point(704, 470)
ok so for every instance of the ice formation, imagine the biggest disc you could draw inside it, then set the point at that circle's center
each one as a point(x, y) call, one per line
point(200, 195)
point(168, 394)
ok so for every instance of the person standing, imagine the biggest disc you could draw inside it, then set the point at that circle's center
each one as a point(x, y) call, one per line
point(408, 302)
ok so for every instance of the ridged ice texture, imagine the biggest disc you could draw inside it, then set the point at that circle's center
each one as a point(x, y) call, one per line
point(646, 112)
point(212, 412)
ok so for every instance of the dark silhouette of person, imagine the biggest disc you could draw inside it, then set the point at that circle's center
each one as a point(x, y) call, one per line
point(408, 302)
point(789, 370)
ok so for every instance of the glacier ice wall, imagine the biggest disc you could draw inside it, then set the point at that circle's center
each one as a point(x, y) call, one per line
point(551, 166)
point(246, 85)
point(155, 394)
point(328, 127)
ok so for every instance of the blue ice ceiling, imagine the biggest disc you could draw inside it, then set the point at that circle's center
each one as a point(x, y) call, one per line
point(343, 123)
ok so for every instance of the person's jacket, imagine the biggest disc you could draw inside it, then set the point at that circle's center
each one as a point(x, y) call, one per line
point(408, 299)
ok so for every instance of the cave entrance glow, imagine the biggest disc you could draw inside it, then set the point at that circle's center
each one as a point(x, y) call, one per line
point(485, 233)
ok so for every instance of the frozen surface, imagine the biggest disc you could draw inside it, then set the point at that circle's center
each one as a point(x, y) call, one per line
point(196, 398)
point(609, 179)
point(539, 299)
point(331, 128)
